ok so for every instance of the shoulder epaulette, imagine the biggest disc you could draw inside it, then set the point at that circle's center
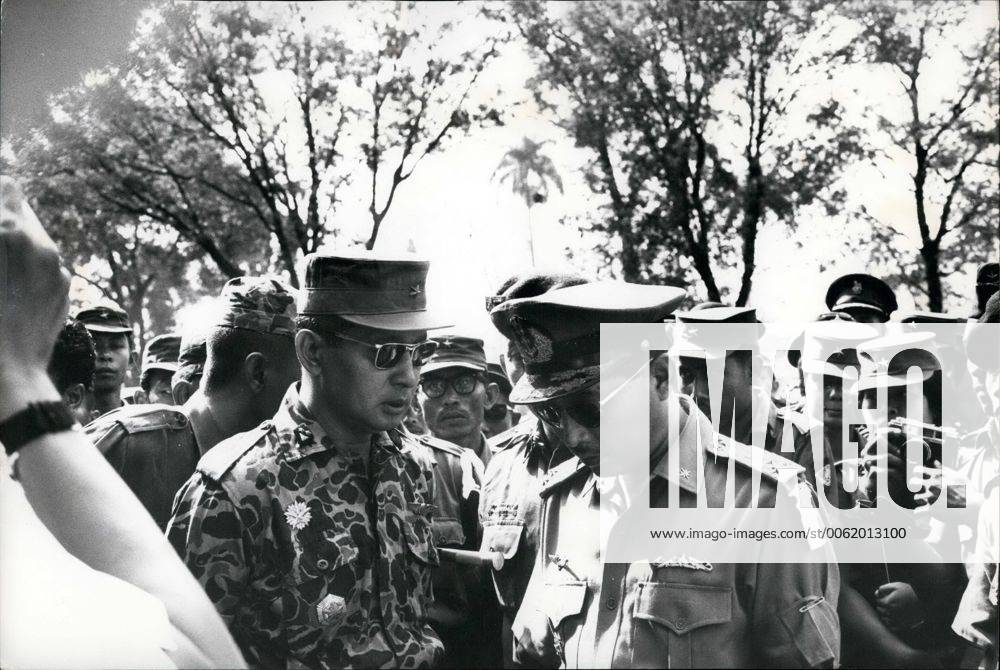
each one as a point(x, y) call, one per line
point(768, 463)
point(439, 444)
point(565, 472)
point(512, 436)
point(137, 419)
point(221, 458)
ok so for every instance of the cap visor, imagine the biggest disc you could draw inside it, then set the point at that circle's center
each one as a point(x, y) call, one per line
point(867, 383)
point(402, 321)
point(532, 389)
point(443, 365)
point(857, 305)
point(169, 367)
point(822, 368)
point(99, 328)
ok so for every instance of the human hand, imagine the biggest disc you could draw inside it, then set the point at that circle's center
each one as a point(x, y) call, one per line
point(898, 606)
point(34, 299)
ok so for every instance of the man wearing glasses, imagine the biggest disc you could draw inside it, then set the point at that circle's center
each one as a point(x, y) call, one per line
point(453, 394)
point(669, 611)
point(312, 534)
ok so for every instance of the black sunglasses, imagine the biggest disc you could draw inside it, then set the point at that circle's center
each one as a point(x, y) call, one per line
point(587, 415)
point(389, 354)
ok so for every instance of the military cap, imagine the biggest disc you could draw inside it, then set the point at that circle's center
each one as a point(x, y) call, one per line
point(829, 348)
point(193, 350)
point(162, 353)
point(370, 290)
point(262, 304)
point(530, 284)
point(795, 350)
point(896, 352)
point(499, 377)
point(987, 283)
point(557, 333)
point(709, 304)
point(691, 341)
point(930, 317)
point(456, 351)
point(106, 316)
point(861, 291)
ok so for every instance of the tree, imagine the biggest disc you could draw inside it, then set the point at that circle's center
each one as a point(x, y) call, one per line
point(952, 146)
point(529, 173)
point(416, 98)
point(659, 91)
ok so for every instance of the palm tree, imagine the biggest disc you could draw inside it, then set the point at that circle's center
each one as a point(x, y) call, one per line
point(529, 173)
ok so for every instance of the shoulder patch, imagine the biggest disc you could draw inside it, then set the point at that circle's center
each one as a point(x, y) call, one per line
point(566, 471)
point(221, 458)
point(439, 444)
point(512, 436)
point(768, 463)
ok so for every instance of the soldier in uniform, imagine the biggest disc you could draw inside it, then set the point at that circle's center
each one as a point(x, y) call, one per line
point(313, 533)
point(453, 394)
point(737, 420)
point(190, 366)
point(509, 504)
point(159, 363)
point(251, 362)
point(673, 612)
point(71, 369)
point(866, 298)
point(987, 283)
point(109, 326)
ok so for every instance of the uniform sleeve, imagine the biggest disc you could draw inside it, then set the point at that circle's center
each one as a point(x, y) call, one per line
point(532, 633)
point(794, 617)
point(207, 533)
point(977, 619)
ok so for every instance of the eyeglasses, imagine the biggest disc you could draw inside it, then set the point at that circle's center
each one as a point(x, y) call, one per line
point(587, 415)
point(389, 354)
point(435, 387)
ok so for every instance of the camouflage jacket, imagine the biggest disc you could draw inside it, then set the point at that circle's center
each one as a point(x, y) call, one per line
point(153, 448)
point(310, 560)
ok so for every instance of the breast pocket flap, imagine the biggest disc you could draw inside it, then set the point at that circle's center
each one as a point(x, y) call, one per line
point(684, 607)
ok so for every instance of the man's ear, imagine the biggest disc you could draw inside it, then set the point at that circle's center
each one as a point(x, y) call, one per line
point(492, 395)
point(75, 395)
point(659, 372)
point(307, 349)
point(182, 391)
point(254, 371)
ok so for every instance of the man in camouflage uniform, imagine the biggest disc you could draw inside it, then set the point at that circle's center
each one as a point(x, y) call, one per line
point(159, 362)
point(313, 533)
point(674, 611)
point(509, 503)
point(109, 326)
point(251, 363)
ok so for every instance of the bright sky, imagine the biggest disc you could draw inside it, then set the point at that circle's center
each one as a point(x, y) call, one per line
point(476, 232)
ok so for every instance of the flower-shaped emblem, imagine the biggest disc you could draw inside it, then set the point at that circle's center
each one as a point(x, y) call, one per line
point(298, 515)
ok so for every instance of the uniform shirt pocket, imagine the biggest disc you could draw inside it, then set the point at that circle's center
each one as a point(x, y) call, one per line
point(418, 534)
point(562, 600)
point(448, 532)
point(684, 607)
point(813, 627)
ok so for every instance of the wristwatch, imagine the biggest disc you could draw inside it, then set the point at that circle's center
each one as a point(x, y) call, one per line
point(34, 421)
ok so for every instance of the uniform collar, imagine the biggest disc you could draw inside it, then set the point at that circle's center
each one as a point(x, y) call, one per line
point(309, 437)
point(696, 430)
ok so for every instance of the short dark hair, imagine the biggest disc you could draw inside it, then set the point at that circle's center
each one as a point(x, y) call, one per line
point(73, 358)
point(227, 348)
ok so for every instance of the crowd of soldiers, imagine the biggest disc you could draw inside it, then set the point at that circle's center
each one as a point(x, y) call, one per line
point(350, 492)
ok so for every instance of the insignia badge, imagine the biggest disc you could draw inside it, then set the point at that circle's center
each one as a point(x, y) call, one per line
point(416, 290)
point(685, 473)
point(827, 475)
point(330, 608)
point(298, 515)
point(683, 561)
point(856, 287)
point(535, 347)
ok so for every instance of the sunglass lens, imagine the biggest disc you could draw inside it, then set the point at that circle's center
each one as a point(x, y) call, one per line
point(388, 355)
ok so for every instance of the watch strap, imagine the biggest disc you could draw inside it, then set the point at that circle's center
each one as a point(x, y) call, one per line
point(34, 421)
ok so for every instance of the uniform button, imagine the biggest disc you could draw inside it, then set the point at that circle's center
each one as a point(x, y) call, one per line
point(322, 564)
point(611, 603)
point(381, 515)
